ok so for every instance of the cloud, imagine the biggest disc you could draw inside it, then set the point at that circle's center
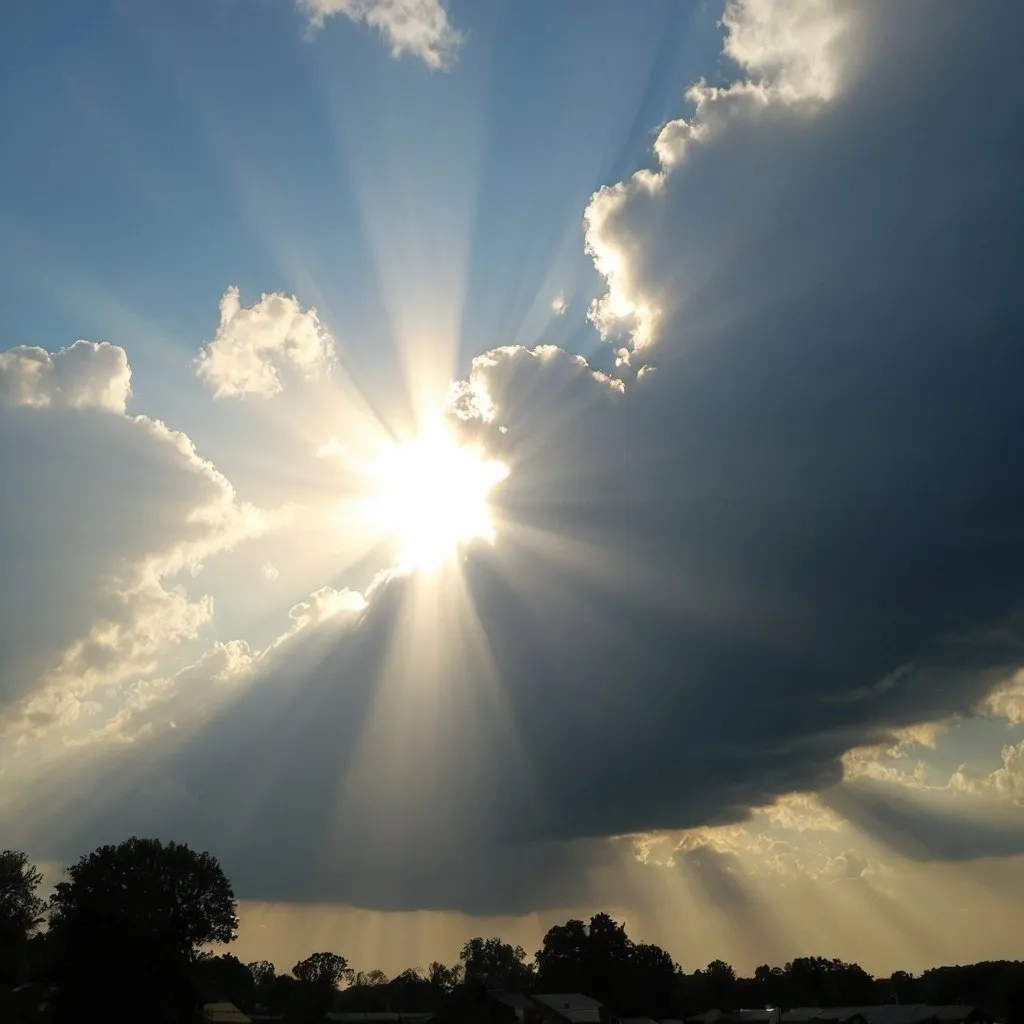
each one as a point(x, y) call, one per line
point(255, 343)
point(1007, 701)
point(1005, 783)
point(111, 512)
point(559, 305)
point(923, 828)
point(85, 376)
point(798, 537)
point(416, 27)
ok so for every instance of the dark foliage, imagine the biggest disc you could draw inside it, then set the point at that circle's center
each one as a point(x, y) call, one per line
point(147, 908)
point(602, 961)
point(21, 910)
point(131, 926)
point(495, 964)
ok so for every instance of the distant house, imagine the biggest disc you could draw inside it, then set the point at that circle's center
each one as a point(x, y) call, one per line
point(889, 1013)
point(224, 1013)
point(557, 1008)
point(573, 1007)
point(379, 1018)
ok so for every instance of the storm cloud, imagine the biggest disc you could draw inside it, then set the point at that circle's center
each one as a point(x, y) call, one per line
point(800, 533)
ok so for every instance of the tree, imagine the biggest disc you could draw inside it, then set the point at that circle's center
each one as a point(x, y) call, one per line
point(720, 983)
point(562, 960)
point(495, 964)
point(769, 983)
point(444, 977)
point(818, 981)
point(323, 969)
point(225, 979)
point(263, 974)
point(148, 907)
point(21, 910)
point(601, 960)
point(160, 897)
point(903, 986)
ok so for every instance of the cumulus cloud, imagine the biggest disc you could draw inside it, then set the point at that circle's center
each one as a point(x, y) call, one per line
point(1007, 701)
point(111, 512)
point(88, 375)
point(1005, 783)
point(799, 537)
point(254, 344)
point(417, 27)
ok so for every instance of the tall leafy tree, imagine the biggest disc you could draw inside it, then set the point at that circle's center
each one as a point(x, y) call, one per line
point(600, 960)
point(323, 969)
point(21, 910)
point(263, 974)
point(148, 907)
point(225, 979)
point(495, 964)
point(443, 977)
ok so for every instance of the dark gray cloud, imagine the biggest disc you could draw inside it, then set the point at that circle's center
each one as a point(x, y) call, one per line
point(922, 830)
point(99, 508)
point(801, 532)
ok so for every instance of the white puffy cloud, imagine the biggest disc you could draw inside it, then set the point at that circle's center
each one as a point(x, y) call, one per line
point(254, 344)
point(324, 604)
point(793, 56)
point(417, 27)
point(87, 375)
point(114, 515)
point(1007, 701)
point(1004, 783)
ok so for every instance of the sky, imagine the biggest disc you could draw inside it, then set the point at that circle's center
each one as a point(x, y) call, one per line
point(469, 465)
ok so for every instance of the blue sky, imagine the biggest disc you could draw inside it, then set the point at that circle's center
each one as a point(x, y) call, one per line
point(459, 393)
point(155, 155)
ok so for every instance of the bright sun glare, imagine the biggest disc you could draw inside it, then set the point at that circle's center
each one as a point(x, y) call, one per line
point(432, 493)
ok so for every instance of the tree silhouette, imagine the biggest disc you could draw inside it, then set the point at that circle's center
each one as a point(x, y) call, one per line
point(818, 981)
point(21, 910)
point(263, 974)
point(495, 964)
point(601, 960)
point(323, 969)
point(443, 977)
point(225, 979)
point(714, 987)
point(149, 908)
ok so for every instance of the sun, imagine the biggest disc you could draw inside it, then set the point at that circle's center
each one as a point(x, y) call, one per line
point(431, 492)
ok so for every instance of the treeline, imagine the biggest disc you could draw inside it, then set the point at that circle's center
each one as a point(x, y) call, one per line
point(128, 933)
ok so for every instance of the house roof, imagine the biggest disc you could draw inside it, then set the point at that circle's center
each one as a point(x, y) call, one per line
point(573, 1006)
point(517, 1000)
point(889, 1013)
point(379, 1018)
point(895, 1013)
point(224, 1013)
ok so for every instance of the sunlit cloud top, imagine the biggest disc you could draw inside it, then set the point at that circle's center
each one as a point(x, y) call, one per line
point(416, 27)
